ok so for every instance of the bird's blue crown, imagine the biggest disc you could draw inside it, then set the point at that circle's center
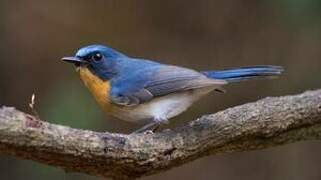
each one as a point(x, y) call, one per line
point(92, 49)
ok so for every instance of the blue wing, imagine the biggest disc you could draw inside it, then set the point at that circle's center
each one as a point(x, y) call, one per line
point(145, 83)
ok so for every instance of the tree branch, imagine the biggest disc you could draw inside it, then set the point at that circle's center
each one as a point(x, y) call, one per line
point(265, 123)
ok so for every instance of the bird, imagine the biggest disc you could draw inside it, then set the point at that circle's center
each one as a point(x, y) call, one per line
point(149, 92)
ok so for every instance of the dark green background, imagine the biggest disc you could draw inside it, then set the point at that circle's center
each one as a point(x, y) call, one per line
point(201, 34)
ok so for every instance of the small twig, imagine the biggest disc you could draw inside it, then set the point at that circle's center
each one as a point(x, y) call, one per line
point(32, 106)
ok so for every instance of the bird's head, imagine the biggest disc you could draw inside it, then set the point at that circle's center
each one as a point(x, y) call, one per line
point(97, 58)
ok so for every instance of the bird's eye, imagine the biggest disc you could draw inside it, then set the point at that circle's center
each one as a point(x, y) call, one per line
point(97, 57)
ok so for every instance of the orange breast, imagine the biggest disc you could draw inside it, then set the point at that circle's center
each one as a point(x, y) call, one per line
point(99, 88)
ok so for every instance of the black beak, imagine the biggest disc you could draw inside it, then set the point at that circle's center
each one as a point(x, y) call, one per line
point(74, 60)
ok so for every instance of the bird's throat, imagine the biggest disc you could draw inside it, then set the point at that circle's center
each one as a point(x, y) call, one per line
point(98, 87)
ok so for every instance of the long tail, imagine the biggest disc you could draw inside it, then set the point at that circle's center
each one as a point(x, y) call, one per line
point(245, 73)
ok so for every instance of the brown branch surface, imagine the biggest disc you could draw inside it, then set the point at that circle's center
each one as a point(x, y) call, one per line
point(266, 123)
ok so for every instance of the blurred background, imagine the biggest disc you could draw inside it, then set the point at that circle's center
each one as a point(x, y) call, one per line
point(201, 34)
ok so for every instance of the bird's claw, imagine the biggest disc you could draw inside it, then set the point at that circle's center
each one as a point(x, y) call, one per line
point(149, 132)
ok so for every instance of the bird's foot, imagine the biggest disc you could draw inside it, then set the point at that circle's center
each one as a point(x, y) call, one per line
point(149, 132)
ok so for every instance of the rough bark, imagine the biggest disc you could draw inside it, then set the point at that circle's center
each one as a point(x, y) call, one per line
point(266, 123)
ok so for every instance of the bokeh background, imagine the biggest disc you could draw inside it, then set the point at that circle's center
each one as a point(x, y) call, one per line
point(201, 34)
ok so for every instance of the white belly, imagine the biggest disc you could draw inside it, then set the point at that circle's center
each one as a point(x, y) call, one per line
point(162, 108)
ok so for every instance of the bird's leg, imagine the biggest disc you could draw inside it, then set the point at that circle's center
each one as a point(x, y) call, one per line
point(152, 126)
point(160, 122)
point(148, 127)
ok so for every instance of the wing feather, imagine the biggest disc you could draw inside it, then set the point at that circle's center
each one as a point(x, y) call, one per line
point(166, 80)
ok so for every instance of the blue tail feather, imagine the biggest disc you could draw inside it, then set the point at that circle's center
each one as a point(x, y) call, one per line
point(245, 73)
